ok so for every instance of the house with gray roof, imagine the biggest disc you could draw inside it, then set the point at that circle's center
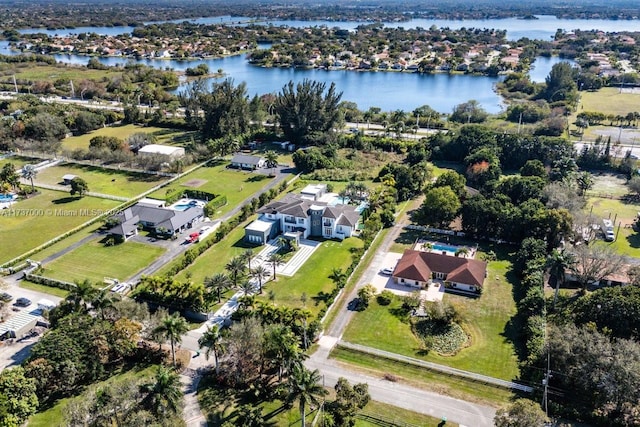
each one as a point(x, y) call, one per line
point(307, 218)
point(161, 220)
point(244, 161)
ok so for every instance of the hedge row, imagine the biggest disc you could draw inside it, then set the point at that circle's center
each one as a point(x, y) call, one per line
point(41, 280)
point(211, 207)
point(175, 195)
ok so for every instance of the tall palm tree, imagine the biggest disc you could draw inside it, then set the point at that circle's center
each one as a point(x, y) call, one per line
point(29, 172)
point(558, 262)
point(305, 386)
point(275, 260)
point(172, 327)
point(103, 300)
point(219, 282)
point(163, 396)
point(247, 256)
point(246, 287)
point(282, 349)
point(82, 294)
point(212, 340)
point(236, 268)
point(271, 160)
point(259, 273)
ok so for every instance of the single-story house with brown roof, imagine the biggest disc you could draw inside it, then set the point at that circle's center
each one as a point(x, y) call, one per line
point(417, 268)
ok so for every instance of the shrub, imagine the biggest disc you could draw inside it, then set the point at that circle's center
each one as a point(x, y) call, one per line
point(385, 298)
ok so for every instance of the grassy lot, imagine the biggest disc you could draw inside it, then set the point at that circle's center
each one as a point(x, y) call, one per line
point(397, 416)
point(313, 276)
point(610, 184)
point(18, 161)
point(65, 243)
point(628, 240)
point(486, 320)
point(456, 387)
point(163, 136)
point(52, 72)
point(34, 221)
point(609, 100)
point(54, 416)
point(99, 180)
point(95, 261)
point(236, 185)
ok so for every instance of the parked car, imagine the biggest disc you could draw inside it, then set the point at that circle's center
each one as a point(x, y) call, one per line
point(387, 271)
point(23, 302)
point(5, 297)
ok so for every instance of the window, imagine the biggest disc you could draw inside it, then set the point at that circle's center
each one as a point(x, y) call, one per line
point(300, 220)
point(327, 230)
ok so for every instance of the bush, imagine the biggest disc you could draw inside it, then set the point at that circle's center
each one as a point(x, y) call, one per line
point(385, 298)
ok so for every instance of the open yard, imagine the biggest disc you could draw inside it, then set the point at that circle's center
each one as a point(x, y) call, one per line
point(17, 161)
point(34, 221)
point(609, 100)
point(95, 261)
point(99, 180)
point(218, 179)
point(609, 184)
point(55, 72)
point(628, 240)
point(485, 319)
point(163, 136)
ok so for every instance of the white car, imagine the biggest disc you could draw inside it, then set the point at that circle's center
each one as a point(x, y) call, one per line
point(387, 271)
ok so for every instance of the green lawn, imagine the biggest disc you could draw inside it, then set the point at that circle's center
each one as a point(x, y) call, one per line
point(99, 180)
point(609, 100)
point(34, 221)
point(628, 240)
point(313, 276)
point(95, 261)
point(55, 415)
point(18, 161)
point(163, 135)
point(457, 387)
point(610, 184)
point(65, 243)
point(486, 319)
point(236, 185)
point(397, 416)
point(42, 288)
point(52, 72)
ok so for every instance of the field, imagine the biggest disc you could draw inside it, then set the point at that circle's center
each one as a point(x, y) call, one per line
point(34, 221)
point(486, 321)
point(18, 161)
point(608, 184)
point(51, 72)
point(95, 261)
point(609, 100)
point(99, 180)
point(313, 276)
point(235, 184)
point(163, 136)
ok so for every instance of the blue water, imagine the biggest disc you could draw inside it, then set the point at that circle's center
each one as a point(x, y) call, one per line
point(7, 197)
point(362, 206)
point(339, 201)
point(181, 207)
point(441, 247)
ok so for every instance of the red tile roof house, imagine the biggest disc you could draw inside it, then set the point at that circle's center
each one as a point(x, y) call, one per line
point(419, 269)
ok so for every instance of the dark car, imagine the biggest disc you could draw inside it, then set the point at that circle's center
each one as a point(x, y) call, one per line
point(23, 302)
point(5, 297)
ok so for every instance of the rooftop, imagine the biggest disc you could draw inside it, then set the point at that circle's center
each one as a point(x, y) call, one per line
point(160, 149)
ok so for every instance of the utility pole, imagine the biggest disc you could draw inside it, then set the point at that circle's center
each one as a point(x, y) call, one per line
point(519, 123)
point(15, 85)
point(73, 91)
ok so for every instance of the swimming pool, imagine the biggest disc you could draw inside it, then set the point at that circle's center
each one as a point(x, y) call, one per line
point(7, 197)
point(442, 247)
point(339, 201)
point(182, 207)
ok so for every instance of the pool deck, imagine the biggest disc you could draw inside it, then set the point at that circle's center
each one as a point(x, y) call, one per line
point(419, 246)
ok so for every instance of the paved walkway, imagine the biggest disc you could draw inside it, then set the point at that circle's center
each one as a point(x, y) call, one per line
point(190, 378)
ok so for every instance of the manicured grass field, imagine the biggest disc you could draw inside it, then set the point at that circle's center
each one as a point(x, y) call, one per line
point(609, 100)
point(95, 261)
point(486, 320)
point(99, 180)
point(18, 161)
point(65, 243)
point(34, 221)
point(235, 184)
point(55, 415)
point(42, 288)
point(453, 386)
point(51, 73)
point(163, 136)
point(313, 276)
point(628, 240)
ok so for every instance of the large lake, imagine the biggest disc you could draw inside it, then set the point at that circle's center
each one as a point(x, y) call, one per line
point(387, 90)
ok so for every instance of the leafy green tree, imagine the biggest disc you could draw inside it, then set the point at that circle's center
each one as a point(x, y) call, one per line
point(271, 160)
point(584, 182)
point(163, 396)
point(212, 340)
point(79, 186)
point(45, 126)
point(453, 180)
point(9, 175)
point(259, 273)
point(104, 301)
point(86, 122)
point(521, 188)
point(18, 398)
point(441, 205)
point(558, 262)
point(305, 108)
point(615, 310)
point(534, 168)
point(226, 110)
point(282, 348)
point(305, 387)
point(172, 328)
point(237, 268)
point(521, 413)
point(560, 85)
point(349, 401)
point(469, 112)
point(365, 294)
point(30, 172)
point(82, 294)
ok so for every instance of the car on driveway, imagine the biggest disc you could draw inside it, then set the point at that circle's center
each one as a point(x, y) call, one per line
point(5, 297)
point(387, 271)
point(23, 302)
